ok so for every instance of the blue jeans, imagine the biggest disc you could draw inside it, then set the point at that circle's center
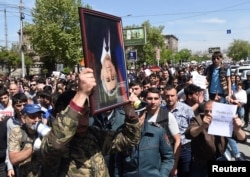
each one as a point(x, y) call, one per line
point(241, 112)
point(222, 97)
point(234, 146)
point(184, 162)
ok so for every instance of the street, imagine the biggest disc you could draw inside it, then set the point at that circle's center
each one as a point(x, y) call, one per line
point(245, 148)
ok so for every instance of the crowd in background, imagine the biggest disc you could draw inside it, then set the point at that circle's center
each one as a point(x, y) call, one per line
point(169, 89)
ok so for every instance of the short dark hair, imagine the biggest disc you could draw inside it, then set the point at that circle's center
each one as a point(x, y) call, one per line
point(46, 95)
point(134, 83)
point(47, 88)
point(41, 80)
point(217, 54)
point(169, 87)
point(146, 81)
point(152, 90)
point(19, 98)
point(3, 91)
point(239, 83)
point(191, 89)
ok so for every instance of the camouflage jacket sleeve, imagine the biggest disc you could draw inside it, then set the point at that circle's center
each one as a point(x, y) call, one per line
point(55, 144)
point(15, 140)
point(116, 141)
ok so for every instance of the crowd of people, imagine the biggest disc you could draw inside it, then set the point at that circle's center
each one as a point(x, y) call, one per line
point(46, 127)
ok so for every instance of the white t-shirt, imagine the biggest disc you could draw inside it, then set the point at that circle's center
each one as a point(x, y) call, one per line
point(172, 123)
point(241, 95)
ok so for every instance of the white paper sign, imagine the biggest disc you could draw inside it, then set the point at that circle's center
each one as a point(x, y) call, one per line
point(222, 122)
point(56, 73)
point(199, 80)
point(147, 72)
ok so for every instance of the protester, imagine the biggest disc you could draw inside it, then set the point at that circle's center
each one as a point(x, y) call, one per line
point(194, 98)
point(5, 102)
point(19, 100)
point(219, 79)
point(85, 145)
point(21, 140)
point(205, 146)
point(153, 144)
point(3, 146)
point(161, 116)
point(183, 113)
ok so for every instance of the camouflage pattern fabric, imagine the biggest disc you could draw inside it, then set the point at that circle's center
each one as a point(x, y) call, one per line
point(84, 153)
point(31, 166)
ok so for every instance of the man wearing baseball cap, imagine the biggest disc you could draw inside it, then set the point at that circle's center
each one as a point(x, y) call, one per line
point(22, 153)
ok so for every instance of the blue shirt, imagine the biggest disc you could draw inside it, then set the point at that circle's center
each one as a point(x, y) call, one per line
point(1, 107)
point(215, 86)
point(183, 114)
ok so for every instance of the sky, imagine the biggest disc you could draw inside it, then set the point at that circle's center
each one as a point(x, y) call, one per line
point(198, 25)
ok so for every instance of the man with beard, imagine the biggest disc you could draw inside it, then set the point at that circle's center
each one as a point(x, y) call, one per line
point(21, 140)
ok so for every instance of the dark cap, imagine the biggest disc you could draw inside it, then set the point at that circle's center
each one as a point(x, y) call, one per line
point(191, 89)
point(32, 108)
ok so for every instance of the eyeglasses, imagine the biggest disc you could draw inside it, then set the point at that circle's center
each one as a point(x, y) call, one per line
point(32, 84)
point(161, 88)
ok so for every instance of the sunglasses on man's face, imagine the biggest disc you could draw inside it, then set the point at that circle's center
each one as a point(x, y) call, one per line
point(35, 115)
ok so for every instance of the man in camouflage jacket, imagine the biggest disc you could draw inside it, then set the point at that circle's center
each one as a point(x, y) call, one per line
point(83, 147)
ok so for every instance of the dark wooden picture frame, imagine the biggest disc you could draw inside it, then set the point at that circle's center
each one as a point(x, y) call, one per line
point(103, 50)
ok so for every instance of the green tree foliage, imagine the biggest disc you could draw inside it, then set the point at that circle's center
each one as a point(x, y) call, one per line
point(166, 56)
point(184, 55)
point(239, 49)
point(155, 39)
point(55, 32)
point(12, 58)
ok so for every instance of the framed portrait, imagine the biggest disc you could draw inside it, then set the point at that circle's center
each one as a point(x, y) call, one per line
point(103, 50)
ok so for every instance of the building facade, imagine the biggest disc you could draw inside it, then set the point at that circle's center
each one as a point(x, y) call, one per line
point(171, 42)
